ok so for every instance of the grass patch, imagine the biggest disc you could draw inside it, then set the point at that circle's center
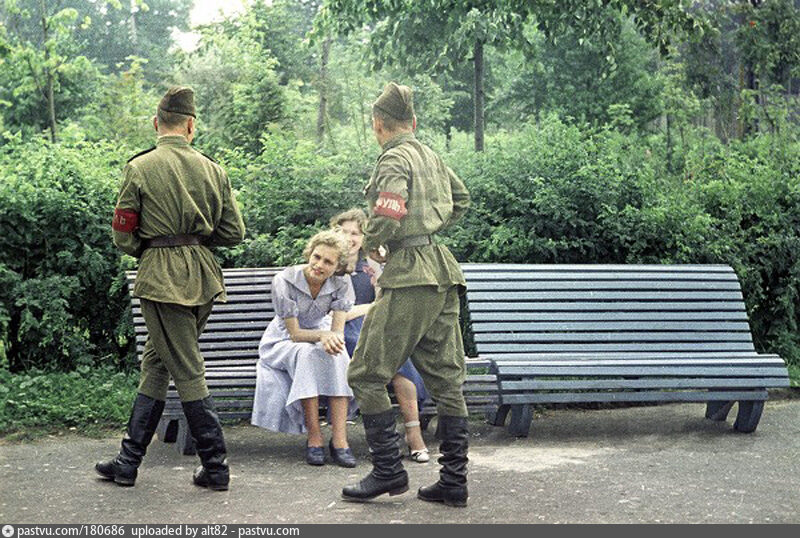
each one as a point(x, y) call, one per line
point(89, 401)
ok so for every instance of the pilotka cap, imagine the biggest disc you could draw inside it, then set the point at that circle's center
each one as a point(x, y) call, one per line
point(179, 100)
point(396, 101)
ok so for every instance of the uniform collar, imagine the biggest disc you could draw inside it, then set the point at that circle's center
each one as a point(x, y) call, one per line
point(397, 140)
point(172, 140)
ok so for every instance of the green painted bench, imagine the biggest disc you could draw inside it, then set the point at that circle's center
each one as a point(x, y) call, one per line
point(230, 348)
point(563, 334)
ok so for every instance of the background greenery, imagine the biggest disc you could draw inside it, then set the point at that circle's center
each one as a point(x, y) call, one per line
point(608, 133)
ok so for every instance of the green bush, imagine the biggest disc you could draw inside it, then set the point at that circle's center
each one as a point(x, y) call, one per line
point(62, 299)
point(85, 398)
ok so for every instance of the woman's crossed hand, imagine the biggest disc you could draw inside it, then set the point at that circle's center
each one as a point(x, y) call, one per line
point(332, 342)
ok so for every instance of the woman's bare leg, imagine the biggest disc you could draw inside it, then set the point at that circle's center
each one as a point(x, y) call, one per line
point(339, 406)
point(406, 394)
point(311, 414)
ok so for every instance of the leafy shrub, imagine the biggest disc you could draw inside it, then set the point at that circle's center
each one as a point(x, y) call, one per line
point(62, 299)
point(84, 398)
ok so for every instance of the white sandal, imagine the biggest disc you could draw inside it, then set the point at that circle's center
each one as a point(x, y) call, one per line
point(419, 456)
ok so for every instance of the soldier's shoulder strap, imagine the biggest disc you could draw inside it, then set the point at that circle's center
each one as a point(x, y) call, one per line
point(141, 153)
point(207, 157)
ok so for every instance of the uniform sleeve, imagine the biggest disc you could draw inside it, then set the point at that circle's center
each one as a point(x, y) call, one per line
point(285, 305)
point(125, 225)
point(345, 296)
point(391, 182)
point(230, 229)
point(461, 199)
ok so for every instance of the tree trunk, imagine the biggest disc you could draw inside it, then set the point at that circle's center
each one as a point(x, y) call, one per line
point(479, 95)
point(51, 105)
point(323, 90)
point(133, 32)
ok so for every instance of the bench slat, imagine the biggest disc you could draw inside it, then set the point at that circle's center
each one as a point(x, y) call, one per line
point(599, 347)
point(601, 337)
point(599, 285)
point(587, 296)
point(607, 326)
point(636, 371)
point(605, 306)
point(673, 383)
point(589, 268)
point(584, 397)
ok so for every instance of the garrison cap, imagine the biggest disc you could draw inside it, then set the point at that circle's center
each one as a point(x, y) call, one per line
point(179, 100)
point(396, 101)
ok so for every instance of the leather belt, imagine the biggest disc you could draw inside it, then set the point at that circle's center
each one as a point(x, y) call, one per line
point(410, 241)
point(178, 240)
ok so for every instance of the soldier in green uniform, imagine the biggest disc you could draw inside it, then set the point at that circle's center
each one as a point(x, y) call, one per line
point(412, 195)
point(174, 203)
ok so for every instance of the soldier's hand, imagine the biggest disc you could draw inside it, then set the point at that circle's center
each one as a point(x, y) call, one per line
point(332, 343)
point(379, 255)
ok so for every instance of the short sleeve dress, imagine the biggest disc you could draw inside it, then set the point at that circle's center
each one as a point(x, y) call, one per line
point(288, 371)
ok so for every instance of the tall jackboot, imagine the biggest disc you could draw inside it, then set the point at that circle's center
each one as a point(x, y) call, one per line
point(388, 474)
point(213, 473)
point(142, 425)
point(451, 489)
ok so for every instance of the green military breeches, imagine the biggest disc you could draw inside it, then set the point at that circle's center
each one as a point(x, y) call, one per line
point(419, 322)
point(172, 349)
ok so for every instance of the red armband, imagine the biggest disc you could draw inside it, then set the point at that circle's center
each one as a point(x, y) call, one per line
point(125, 220)
point(390, 205)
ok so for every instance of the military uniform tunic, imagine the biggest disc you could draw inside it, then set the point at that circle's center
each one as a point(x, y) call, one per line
point(412, 193)
point(167, 191)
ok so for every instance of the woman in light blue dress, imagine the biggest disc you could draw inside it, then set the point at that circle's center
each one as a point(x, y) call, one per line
point(302, 354)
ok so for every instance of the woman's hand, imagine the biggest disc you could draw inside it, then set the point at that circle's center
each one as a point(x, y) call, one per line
point(332, 342)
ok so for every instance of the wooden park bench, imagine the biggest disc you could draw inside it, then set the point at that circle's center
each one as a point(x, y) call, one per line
point(230, 348)
point(562, 334)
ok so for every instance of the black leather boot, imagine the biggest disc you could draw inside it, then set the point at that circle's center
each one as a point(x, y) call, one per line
point(142, 425)
point(387, 475)
point(451, 489)
point(213, 473)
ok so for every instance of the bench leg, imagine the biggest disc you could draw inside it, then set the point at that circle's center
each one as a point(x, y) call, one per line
point(520, 424)
point(497, 416)
point(748, 416)
point(184, 441)
point(167, 430)
point(718, 410)
point(424, 421)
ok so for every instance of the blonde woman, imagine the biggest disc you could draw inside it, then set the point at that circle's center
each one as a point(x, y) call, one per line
point(302, 354)
point(364, 272)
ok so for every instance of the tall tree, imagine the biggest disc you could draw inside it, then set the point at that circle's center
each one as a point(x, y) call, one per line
point(436, 35)
point(43, 41)
point(124, 28)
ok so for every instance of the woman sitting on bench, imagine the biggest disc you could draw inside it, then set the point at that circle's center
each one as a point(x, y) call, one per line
point(302, 353)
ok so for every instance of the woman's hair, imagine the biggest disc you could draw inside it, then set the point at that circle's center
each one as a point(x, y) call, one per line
point(330, 238)
point(351, 214)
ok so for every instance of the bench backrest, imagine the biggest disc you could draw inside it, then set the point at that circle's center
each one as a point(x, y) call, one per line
point(606, 309)
point(234, 328)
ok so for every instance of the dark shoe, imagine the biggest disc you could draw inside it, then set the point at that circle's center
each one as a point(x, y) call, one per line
point(343, 457)
point(217, 482)
point(451, 489)
point(142, 425)
point(116, 470)
point(370, 487)
point(207, 434)
point(448, 496)
point(387, 475)
point(315, 455)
